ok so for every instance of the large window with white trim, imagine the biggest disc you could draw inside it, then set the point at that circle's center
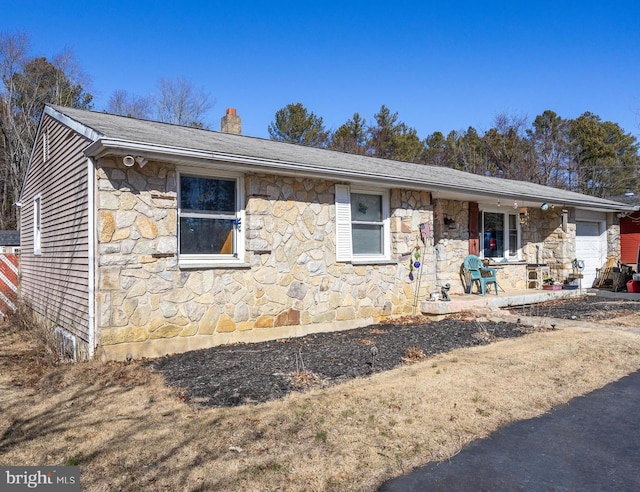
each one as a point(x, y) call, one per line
point(499, 235)
point(362, 224)
point(210, 219)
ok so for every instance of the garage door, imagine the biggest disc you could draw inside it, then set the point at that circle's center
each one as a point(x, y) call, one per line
point(591, 247)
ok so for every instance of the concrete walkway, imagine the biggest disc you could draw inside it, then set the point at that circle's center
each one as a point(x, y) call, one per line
point(628, 296)
point(590, 444)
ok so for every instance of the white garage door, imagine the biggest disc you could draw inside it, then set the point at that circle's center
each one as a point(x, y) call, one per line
point(591, 247)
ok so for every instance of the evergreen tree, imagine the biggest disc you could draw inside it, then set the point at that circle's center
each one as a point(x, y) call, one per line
point(26, 85)
point(294, 124)
point(509, 152)
point(351, 137)
point(549, 137)
point(436, 150)
point(390, 139)
point(605, 159)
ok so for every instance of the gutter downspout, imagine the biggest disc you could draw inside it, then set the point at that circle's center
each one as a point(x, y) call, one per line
point(91, 244)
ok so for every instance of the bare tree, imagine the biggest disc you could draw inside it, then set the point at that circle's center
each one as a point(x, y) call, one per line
point(26, 85)
point(509, 150)
point(181, 103)
point(16, 136)
point(125, 104)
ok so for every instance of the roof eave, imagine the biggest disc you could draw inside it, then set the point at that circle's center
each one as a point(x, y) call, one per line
point(104, 146)
point(75, 125)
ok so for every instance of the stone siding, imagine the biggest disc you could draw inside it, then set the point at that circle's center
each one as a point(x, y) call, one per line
point(452, 243)
point(511, 276)
point(613, 236)
point(148, 305)
point(544, 241)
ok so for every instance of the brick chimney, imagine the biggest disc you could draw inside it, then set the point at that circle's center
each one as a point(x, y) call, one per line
point(231, 122)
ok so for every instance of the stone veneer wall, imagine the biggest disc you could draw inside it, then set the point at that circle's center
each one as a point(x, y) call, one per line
point(556, 247)
point(543, 230)
point(148, 305)
point(452, 242)
point(511, 276)
point(613, 236)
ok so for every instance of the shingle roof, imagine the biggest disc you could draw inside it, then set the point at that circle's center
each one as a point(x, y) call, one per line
point(9, 238)
point(629, 199)
point(111, 132)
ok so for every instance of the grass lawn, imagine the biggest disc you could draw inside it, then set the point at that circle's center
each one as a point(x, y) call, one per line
point(127, 430)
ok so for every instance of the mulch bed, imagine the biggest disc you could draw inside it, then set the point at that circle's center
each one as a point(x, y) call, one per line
point(588, 308)
point(232, 375)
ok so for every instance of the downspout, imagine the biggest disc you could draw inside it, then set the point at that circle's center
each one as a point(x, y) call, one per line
point(91, 243)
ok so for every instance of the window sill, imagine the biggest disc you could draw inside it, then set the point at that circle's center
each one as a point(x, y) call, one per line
point(210, 266)
point(374, 262)
point(506, 263)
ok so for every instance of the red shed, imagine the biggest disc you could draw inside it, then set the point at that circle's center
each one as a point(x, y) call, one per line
point(629, 229)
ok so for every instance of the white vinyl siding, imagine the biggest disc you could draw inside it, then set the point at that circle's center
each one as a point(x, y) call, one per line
point(362, 224)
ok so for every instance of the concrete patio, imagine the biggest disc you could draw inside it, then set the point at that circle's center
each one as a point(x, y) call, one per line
point(469, 302)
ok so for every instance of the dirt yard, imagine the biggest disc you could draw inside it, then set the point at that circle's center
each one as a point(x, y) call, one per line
point(336, 415)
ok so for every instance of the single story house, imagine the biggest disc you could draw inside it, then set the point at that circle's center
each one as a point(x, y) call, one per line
point(141, 238)
point(9, 242)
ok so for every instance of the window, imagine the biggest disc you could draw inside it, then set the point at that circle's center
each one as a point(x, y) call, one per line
point(362, 224)
point(210, 219)
point(499, 235)
point(37, 225)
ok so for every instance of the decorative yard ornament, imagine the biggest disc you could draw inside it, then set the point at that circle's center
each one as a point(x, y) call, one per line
point(414, 262)
point(374, 352)
point(445, 292)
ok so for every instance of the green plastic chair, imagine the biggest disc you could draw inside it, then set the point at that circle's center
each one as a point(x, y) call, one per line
point(480, 274)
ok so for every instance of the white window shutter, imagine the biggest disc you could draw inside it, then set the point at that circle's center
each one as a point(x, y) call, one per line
point(344, 249)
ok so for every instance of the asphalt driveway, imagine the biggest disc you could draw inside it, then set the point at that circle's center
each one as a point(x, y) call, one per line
point(590, 444)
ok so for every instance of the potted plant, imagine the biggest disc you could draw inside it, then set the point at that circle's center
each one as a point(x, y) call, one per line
point(549, 283)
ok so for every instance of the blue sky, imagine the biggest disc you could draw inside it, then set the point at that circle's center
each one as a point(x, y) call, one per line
point(441, 65)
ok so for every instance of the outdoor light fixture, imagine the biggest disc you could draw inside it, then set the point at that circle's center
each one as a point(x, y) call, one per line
point(129, 161)
point(544, 206)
